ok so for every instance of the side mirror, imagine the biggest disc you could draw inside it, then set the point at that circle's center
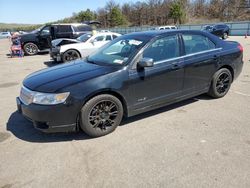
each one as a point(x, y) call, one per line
point(146, 62)
point(92, 42)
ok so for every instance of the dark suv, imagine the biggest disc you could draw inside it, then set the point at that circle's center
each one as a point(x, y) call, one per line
point(39, 39)
point(220, 30)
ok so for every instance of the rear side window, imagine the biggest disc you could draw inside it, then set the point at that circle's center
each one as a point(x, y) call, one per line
point(83, 28)
point(64, 28)
point(108, 37)
point(163, 49)
point(197, 43)
point(114, 36)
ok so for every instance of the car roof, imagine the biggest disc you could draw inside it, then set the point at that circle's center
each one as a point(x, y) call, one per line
point(73, 24)
point(154, 33)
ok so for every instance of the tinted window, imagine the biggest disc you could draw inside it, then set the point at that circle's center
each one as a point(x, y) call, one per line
point(163, 49)
point(197, 43)
point(64, 28)
point(114, 36)
point(83, 28)
point(108, 37)
point(219, 26)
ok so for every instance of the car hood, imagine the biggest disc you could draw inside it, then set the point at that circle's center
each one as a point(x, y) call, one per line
point(53, 79)
point(63, 41)
point(27, 37)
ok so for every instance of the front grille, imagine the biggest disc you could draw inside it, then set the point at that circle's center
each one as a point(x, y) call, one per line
point(26, 95)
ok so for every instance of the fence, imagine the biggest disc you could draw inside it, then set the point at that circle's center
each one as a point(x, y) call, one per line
point(236, 28)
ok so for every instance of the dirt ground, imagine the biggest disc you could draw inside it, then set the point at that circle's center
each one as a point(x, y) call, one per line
point(200, 142)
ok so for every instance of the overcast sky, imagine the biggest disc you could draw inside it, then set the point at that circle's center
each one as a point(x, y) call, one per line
point(42, 11)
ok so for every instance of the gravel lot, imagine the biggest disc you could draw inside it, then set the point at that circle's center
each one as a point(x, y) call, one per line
point(196, 143)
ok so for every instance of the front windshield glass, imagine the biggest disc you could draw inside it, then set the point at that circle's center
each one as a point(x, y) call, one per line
point(84, 38)
point(119, 51)
point(37, 30)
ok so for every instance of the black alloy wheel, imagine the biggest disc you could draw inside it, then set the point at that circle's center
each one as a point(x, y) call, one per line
point(225, 35)
point(221, 83)
point(101, 115)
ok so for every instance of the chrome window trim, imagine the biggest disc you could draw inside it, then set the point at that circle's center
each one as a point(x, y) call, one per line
point(188, 55)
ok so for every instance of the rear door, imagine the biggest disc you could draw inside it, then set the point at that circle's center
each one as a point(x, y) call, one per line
point(64, 31)
point(201, 59)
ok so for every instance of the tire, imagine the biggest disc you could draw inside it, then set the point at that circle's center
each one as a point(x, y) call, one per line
point(70, 55)
point(30, 48)
point(221, 83)
point(225, 35)
point(101, 115)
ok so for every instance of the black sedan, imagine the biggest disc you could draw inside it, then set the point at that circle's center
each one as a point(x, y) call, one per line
point(220, 30)
point(133, 74)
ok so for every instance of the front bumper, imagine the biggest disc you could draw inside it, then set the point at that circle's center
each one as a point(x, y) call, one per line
point(49, 119)
point(55, 54)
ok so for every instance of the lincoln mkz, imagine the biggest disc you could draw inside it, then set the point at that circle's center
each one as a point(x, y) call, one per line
point(132, 74)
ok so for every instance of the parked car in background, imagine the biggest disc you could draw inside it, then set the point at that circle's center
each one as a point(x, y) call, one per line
point(70, 49)
point(5, 35)
point(39, 40)
point(130, 75)
point(167, 27)
point(220, 30)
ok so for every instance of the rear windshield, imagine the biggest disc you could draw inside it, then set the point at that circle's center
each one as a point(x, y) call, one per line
point(81, 28)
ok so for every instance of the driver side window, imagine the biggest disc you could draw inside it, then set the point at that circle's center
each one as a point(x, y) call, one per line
point(45, 30)
point(163, 49)
point(99, 38)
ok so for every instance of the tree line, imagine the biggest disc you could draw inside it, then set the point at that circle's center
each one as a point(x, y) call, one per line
point(162, 12)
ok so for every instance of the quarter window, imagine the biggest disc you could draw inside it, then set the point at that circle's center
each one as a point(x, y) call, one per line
point(197, 43)
point(163, 49)
point(108, 37)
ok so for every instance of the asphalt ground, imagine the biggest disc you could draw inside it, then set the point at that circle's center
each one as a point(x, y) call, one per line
point(200, 142)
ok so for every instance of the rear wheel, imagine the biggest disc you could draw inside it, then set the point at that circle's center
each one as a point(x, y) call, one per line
point(70, 55)
point(225, 35)
point(221, 83)
point(30, 48)
point(101, 115)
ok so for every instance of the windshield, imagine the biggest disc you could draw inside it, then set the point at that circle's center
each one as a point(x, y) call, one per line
point(119, 51)
point(37, 30)
point(84, 38)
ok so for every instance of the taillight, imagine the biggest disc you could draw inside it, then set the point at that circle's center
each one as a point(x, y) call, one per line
point(240, 48)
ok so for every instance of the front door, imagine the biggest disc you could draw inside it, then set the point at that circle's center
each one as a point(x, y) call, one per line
point(161, 83)
point(44, 38)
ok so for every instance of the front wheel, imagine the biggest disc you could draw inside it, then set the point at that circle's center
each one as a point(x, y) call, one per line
point(101, 115)
point(70, 55)
point(30, 48)
point(221, 83)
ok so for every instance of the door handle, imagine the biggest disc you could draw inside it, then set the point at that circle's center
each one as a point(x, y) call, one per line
point(216, 57)
point(176, 66)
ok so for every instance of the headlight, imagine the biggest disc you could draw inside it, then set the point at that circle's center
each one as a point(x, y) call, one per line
point(49, 99)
